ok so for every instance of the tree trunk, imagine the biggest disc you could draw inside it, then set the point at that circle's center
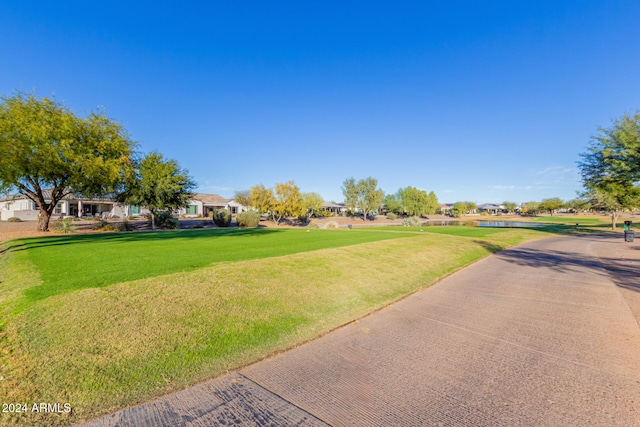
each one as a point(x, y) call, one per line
point(43, 220)
point(614, 218)
point(276, 218)
point(153, 220)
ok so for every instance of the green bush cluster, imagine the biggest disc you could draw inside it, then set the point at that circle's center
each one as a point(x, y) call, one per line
point(166, 220)
point(413, 221)
point(391, 216)
point(222, 218)
point(66, 226)
point(14, 219)
point(248, 219)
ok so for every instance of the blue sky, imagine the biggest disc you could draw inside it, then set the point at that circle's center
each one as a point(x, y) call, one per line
point(482, 101)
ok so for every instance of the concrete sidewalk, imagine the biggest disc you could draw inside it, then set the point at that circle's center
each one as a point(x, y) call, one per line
point(543, 334)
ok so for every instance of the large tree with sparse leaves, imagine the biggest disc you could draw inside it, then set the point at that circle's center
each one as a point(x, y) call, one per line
point(159, 185)
point(551, 205)
point(287, 202)
point(47, 152)
point(362, 194)
point(611, 167)
point(312, 202)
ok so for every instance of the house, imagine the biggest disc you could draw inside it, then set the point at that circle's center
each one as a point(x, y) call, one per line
point(335, 208)
point(490, 208)
point(205, 204)
point(22, 207)
point(445, 208)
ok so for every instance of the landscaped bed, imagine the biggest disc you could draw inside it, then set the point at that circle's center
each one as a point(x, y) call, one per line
point(106, 321)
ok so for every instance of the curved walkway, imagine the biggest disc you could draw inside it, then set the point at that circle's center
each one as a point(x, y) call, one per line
point(543, 334)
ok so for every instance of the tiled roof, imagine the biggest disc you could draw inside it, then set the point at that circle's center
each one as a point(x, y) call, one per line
point(213, 199)
point(332, 205)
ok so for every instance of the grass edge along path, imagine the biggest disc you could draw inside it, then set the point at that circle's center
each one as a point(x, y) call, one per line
point(103, 349)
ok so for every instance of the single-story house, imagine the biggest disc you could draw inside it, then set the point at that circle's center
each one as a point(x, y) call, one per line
point(336, 209)
point(445, 208)
point(205, 204)
point(106, 207)
point(490, 208)
point(24, 208)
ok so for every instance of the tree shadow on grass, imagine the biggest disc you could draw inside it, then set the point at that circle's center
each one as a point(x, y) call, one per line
point(491, 247)
point(146, 236)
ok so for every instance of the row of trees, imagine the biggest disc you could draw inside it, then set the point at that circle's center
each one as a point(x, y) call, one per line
point(281, 201)
point(554, 204)
point(551, 206)
point(47, 152)
point(45, 146)
point(363, 196)
point(411, 201)
point(284, 200)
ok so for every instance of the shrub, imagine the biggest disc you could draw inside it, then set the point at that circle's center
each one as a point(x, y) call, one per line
point(66, 226)
point(248, 219)
point(303, 219)
point(100, 225)
point(484, 213)
point(103, 226)
point(313, 225)
point(125, 226)
point(413, 221)
point(331, 224)
point(222, 218)
point(166, 220)
point(14, 219)
point(391, 216)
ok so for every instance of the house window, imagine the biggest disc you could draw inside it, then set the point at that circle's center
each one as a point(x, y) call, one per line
point(58, 209)
point(134, 210)
point(192, 210)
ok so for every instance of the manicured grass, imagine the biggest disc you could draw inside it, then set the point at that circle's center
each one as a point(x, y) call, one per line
point(107, 346)
point(585, 220)
point(68, 263)
point(463, 231)
point(455, 230)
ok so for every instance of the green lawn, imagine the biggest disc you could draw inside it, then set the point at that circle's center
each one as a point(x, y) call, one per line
point(453, 230)
point(68, 263)
point(107, 321)
point(589, 220)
